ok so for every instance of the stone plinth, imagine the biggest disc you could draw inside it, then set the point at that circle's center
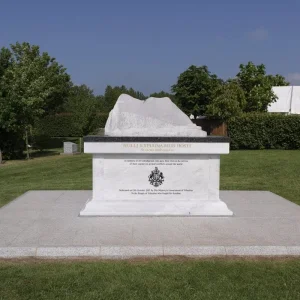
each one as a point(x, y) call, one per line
point(137, 176)
point(70, 148)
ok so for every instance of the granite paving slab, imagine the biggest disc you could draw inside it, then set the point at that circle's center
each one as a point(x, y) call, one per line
point(47, 224)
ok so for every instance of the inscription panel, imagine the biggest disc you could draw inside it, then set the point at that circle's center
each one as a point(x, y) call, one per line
point(157, 148)
point(156, 179)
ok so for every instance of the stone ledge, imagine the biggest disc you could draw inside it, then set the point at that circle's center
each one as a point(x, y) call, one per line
point(121, 252)
point(154, 139)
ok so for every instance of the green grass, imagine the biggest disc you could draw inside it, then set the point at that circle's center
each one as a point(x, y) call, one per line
point(276, 171)
point(55, 172)
point(206, 279)
point(268, 170)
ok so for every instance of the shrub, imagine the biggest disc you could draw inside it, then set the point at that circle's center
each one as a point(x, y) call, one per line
point(66, 125)
point(98, 122)
point(265, 131)
point(11, 144)
point(61, 125)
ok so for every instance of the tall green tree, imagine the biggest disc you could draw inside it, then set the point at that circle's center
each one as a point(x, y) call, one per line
point(135, 94)
point(229, 101)
point(29, 87)
point(112, 94)
point(82, 104)
point(5, 56)
point(5, 60)
point(257, 86)
point(195, 88)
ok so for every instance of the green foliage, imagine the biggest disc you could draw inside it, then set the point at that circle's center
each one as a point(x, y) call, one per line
point(61, 125)
point(98, 122)
point(257, 86)
point(11, 144)
point(199, 92)
point(32, 84)
point(195, 89)
point(163, 94)
point(67, 125)
point(5, 60)
point(82, 105)
point(265, 131)
point(229, 101)
point(29, 86)
point(112, 94)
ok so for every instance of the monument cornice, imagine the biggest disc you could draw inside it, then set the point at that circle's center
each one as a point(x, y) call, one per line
point(154, 139)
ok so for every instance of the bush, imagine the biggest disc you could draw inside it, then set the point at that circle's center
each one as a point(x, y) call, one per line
point(98, 122)
point(58, 126)
point(66, 125)
point(265, 131)
point(12, 144)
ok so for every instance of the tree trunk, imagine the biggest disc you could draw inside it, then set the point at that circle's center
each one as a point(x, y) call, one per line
point(80, 143)
point(0, 157)
point(26, 141)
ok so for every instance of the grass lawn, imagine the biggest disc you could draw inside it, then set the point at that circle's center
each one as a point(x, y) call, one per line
point(273, 170)
point(185, 279)
point(276, 171)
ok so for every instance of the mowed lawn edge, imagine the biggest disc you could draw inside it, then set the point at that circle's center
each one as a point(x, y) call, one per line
point(270, 170)
point(208, 279)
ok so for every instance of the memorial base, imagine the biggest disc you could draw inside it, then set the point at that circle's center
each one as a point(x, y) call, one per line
point(155, 208)
point(148, 176)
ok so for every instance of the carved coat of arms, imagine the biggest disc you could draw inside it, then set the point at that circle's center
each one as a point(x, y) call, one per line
point(156, 177)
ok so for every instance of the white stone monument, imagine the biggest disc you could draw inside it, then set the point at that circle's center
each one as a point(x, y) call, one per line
point(154, 161)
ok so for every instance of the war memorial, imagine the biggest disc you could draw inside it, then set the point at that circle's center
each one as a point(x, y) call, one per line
point(155, 192)
point(153, 160)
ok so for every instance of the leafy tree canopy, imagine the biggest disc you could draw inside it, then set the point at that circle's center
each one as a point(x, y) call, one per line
point(82, 104)
point(163, 94)
point(229, 101)
point(112, 94)
point(195, 88)
point(257, 86)
point(30, 85)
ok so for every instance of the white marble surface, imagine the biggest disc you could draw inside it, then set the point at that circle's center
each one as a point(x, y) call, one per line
point(152, 117)
point(186, 184)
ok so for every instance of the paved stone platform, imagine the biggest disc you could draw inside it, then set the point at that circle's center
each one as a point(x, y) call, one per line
point(46, 224)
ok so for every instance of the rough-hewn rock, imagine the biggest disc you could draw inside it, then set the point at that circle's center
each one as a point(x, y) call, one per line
point(152, 117)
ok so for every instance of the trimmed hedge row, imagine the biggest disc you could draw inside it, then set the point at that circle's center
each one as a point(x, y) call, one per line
point(66, 125)
point(265, 131)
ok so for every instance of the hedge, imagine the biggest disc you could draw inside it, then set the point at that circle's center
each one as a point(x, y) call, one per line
point(12, 144)
point(98, 122)
point(265, 131)
point(65, 125)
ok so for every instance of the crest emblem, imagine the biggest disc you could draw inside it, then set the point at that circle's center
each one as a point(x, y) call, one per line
point(156, 177)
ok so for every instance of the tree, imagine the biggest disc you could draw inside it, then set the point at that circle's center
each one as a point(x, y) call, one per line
point(277, 80)
point(229, 101)
point(163, 94)
point(5, 60)
point(112, 94)
point(257, 86)
point(5, 56)
point(135, 94)
point(195, 88)
point(82, 104)
point(29, 86)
